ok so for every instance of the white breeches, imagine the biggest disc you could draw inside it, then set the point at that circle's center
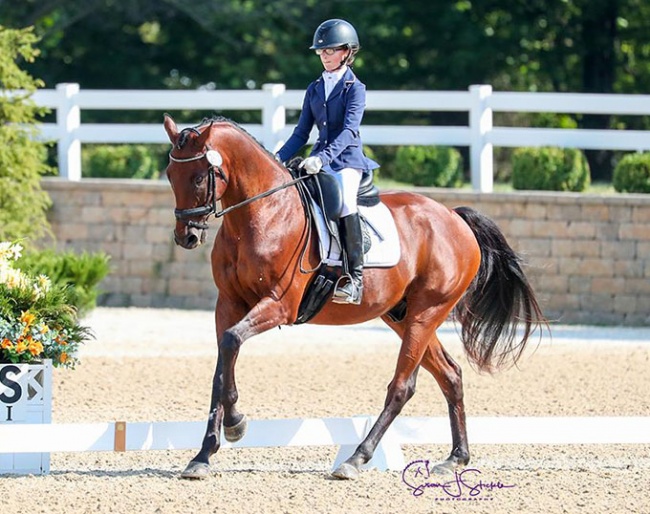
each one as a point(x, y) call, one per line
point(348, 179)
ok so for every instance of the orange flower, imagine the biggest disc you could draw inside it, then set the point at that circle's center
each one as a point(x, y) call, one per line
point(35, 348)
point(63, 358)
point(27, 318)
point(6, 344)
point(21, 346)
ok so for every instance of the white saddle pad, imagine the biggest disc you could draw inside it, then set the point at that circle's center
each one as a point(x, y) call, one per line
point(385, 246)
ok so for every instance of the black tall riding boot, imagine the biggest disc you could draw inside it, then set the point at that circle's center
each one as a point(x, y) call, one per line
point(350, 290)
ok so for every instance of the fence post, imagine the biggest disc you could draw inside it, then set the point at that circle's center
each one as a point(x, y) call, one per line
point(68, 119)
point(480, 124)
point(273, 116)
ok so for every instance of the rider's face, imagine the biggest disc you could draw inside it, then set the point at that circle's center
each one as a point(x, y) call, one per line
point(331, 58)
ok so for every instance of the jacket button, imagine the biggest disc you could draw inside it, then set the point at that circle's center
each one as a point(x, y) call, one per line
point(324, 123)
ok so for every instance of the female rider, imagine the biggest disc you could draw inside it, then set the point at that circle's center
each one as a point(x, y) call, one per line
point(335, 102)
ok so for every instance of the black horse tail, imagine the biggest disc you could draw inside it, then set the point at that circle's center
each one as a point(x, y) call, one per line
point(498, 300)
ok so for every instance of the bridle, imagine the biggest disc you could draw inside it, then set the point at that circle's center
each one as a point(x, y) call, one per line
point(210, 206)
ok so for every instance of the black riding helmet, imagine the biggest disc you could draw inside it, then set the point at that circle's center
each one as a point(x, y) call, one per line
point(334, 34)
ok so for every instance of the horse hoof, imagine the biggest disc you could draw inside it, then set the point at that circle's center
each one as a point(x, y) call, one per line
point(236, 432)
point(346, 472)
point(445, 468)
point(196, 470)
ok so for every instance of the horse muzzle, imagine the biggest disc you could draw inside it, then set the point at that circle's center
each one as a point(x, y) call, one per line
point(190, 237)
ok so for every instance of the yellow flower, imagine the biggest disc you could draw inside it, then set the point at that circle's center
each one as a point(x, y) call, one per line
point(21, 346)
point(6, 344)
point(35, 348)
point(45, 329)
point(27, 318)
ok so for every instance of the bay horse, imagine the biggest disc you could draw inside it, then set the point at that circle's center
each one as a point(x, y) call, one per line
point(450, 258)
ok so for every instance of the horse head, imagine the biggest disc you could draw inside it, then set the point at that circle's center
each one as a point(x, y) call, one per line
point(197, 179)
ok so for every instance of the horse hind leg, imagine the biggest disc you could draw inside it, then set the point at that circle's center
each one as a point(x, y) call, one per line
point(400, 390)
point(448, 375)
point(398, 395)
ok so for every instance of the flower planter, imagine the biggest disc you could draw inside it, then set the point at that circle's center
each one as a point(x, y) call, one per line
point(25, 397)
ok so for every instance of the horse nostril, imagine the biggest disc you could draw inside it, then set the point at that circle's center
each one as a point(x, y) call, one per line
point(191, 240)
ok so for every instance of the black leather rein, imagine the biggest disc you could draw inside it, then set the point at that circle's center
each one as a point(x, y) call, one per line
point(210, 206)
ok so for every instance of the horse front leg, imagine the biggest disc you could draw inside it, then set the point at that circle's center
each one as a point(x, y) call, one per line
point(199, 466)
point(266, 314)
point(234, 423)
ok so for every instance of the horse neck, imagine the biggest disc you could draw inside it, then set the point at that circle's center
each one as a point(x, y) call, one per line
point(253, 171)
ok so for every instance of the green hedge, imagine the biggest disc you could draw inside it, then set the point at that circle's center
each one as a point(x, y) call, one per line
point(632, 174)
point(80, 274)
point(437, 166)
point(550, 169)
point(121, 161)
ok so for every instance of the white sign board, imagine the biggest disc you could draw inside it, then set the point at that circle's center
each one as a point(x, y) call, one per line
point(25, 397)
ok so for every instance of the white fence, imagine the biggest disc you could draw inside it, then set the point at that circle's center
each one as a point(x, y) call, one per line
point(480, 102)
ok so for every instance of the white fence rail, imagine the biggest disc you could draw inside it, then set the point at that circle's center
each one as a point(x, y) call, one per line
point(480, 102)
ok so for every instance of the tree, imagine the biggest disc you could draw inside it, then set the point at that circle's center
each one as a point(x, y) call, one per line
point(522, 45)
point(23, 203)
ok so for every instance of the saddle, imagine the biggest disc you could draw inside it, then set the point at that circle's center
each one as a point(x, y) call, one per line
point(326, 191)
point(323, 190)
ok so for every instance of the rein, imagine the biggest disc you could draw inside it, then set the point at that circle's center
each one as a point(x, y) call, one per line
point(259, 196)
point(210, 206)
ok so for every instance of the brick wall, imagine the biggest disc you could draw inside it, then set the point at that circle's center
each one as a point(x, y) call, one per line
point(132, 221)
point(589, 254)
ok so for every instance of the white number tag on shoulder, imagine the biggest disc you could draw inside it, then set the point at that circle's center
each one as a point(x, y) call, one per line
point(214, 157)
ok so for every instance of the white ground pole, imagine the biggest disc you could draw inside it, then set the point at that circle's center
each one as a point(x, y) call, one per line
point(346, 433)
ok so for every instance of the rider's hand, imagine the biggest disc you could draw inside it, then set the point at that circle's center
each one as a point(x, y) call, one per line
point(312, 165)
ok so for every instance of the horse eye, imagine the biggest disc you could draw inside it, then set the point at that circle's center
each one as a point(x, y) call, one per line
point(198, 180)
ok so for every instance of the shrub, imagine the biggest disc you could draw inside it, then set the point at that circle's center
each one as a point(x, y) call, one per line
point(438, 166)
point(632, 174)
point(78, 274)
point(550, 169)
point(385, 156)
point(120, 161)
point(23, 203)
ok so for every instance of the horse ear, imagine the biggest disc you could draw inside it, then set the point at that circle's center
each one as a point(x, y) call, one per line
point(205, 135)
point(171, 128)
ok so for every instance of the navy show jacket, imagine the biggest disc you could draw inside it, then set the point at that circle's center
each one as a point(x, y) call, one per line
point(338, 120)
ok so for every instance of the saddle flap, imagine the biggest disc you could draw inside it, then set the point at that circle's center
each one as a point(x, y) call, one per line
point(326, 191)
